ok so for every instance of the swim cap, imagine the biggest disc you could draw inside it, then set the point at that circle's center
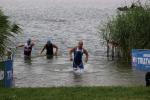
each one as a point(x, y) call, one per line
point(28, 41)
point(49, 42)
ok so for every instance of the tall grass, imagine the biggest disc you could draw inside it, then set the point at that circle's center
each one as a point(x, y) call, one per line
point(7, 30)
point(130, 29)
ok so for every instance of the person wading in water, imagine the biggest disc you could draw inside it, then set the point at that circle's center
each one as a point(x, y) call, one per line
point(27, 48)
point(78, 53)
point(49, 49)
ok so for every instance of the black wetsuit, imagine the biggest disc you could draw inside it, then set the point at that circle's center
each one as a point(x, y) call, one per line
point(147, 79)
point(49, 49)
point(78, 53)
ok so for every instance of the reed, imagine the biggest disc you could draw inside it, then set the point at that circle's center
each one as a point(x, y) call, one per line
point(130, 29)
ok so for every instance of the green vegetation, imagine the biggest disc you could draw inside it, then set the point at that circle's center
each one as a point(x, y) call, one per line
point(7, 30)
point(130, 29)
point(76, 93)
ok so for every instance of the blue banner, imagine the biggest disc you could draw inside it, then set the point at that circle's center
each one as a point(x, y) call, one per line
point(141, 60)
point(8, 73)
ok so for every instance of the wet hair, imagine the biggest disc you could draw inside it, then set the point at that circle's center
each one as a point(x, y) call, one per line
point(80, 42)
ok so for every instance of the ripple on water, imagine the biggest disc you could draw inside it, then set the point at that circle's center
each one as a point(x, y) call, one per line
point(66, 25)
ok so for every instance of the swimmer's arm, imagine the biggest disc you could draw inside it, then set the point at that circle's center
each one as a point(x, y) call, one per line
point(56, 49)
point(20, 46)
point(70, 53)
point(86, 54)
point(43, 49)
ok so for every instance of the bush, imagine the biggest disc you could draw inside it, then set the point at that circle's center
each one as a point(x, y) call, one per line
point(7, 30)
point(130, 29)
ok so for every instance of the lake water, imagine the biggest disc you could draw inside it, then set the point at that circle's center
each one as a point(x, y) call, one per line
point(66, 22)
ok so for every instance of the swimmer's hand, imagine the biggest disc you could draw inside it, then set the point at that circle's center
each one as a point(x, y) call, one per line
point(86, 60)
point(71, 59)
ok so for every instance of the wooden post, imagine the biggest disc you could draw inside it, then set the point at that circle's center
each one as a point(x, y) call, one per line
point(113, 53)
point(107, 50)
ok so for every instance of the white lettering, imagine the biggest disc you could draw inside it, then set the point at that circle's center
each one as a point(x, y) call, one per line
point(134, 59)
point(140, 60)
point(146, 55)
point(9, 74)
point(144, 61)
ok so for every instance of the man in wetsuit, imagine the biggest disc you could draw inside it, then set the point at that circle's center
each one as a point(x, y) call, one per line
point(27, 48)
point(78, 53)
point(49, 49)
point(147, 78)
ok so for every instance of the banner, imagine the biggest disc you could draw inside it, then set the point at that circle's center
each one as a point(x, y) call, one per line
point(6, 73)
point(141, 59)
